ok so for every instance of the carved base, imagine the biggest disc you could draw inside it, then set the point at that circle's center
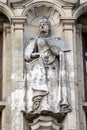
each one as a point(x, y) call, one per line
point(45, 123)
point(59, 117)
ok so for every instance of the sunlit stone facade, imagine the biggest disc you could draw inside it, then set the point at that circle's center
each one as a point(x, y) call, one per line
point(18, 27)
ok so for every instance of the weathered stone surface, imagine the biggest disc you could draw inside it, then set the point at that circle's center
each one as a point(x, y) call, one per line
point(50, 83)
point(45, 123)
point(4, 1)
point(71, 1)
point(15, 37)
point(15, 1)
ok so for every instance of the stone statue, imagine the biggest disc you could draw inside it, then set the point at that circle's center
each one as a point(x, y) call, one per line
point(47, 77)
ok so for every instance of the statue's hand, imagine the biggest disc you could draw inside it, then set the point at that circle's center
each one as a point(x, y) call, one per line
point(35, 55)
point(55, 51)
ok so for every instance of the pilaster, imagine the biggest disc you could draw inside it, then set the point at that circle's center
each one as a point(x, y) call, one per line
point(17, 75)
point(80, 76)
point(68, 28)
point(6, 60)
point(6, 120)
point(17, 47)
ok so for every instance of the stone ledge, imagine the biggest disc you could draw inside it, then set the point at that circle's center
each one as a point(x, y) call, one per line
point(31, 116)
point(68, 20)
point(18, 20)
point(2, 105)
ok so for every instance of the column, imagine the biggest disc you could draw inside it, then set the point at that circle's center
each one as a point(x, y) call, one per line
point(6, 85)
point(17, 73)
point(68, 28)
point(80, 76)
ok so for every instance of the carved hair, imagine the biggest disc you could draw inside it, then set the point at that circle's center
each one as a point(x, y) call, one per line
point(45, 19)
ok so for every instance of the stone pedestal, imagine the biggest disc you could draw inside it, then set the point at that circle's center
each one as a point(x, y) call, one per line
point(45, 123)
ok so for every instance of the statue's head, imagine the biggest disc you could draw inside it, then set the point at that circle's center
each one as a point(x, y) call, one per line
point(45, 26)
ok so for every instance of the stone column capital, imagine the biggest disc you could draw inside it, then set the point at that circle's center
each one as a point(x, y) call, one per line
point(7, 28)
point(68, 22)
point(18, 22)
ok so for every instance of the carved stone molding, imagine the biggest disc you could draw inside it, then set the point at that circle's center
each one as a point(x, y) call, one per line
point(18, 22)
point(2, 105)
point(71, 1)
point(45, 123)
point(68, 23)
point(68, 1)
point(31, 117)
point(18, 19)
point(16, 1)
point(34, 14)
point(84, 104)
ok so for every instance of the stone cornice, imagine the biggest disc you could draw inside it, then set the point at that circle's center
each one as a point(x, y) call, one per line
point(18, 22)
point(18, 1)
point(68, 23)
point(2, 105)
point(24, 1)
point(84, 104)
point(13, 1)
point(18, 19)
point(68, 20)
point(71, 1)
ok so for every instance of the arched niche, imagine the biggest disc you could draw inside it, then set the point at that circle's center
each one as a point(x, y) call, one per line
point(81, 46)
point(6, 11)
point(80, 10)
point(35, 11)
point(3, 21)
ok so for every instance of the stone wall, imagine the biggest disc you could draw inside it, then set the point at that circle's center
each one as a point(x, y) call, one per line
point(21, 28)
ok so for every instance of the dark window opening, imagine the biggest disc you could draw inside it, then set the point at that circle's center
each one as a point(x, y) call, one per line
point(84, 35)
point(0, 119)
point(86, 120)
point(1, 58)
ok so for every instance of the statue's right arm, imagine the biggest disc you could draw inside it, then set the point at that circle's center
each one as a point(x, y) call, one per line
point(29, 50)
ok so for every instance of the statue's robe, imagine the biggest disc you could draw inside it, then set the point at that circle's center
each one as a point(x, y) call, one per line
point(47, 76)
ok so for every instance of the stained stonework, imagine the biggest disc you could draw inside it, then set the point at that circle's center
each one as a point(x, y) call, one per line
point(19, 27)
point(45, 123)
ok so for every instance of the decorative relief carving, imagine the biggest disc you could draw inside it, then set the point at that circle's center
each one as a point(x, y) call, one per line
point(33, 15)
point(69, 1)
point(36, 13)
point(47, 75)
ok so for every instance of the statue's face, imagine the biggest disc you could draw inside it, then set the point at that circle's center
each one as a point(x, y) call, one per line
point(44, 27)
